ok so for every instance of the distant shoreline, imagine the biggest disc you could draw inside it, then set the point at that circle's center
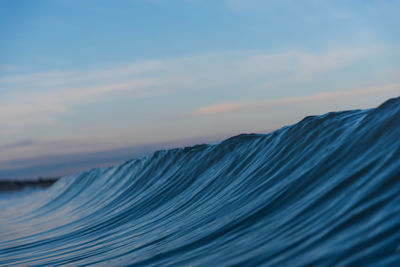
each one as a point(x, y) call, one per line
point(15, 185)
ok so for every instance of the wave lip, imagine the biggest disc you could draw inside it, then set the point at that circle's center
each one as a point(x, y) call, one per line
point(324, 191)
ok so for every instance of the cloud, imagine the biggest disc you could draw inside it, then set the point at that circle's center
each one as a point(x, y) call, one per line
point(329, 96)
point(220, 108)
point(44, 107)
point(19, 144)
point(45, 98)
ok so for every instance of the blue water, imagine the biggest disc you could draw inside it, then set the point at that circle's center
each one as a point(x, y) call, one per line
point(322, 192)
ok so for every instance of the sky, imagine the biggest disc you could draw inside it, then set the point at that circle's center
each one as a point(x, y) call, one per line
point(93, 83)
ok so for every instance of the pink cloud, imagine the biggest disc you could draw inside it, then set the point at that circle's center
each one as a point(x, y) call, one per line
point(329, 96)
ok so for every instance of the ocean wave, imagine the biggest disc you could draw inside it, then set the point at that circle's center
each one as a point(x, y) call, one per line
point(324, 191)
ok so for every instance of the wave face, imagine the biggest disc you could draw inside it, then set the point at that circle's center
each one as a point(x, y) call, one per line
point(325, 191)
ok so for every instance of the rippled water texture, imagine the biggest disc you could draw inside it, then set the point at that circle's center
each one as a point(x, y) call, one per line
point(325, 191)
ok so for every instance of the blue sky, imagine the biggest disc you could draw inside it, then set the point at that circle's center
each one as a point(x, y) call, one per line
point(84, 79)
